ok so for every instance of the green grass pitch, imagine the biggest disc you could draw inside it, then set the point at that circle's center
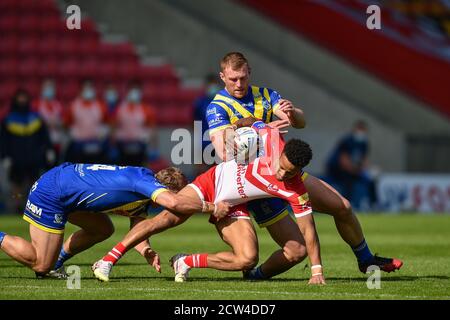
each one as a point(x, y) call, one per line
point(421, 241)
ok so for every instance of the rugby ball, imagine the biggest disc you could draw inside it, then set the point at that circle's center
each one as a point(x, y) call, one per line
point(246, 140)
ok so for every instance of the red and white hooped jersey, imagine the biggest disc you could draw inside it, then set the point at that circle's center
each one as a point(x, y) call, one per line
point(238, 183)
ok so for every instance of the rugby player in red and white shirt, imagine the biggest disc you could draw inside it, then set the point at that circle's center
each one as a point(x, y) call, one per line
point(277, 173)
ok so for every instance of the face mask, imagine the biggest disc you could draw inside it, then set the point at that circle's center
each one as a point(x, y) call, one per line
point(88, 94)
point(111, 96)
point(212, 89)
point(360, 136)
point(134, 95)
point(48, 92)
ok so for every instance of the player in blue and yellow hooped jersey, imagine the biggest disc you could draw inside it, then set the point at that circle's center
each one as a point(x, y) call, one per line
point(84, 194)
point(240, 100)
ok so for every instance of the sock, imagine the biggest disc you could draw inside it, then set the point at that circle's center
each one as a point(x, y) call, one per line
point(2, 236)
point(197, 260)
point(256, 274)
point(63, 257)
point(362, 252)
point(116, 253)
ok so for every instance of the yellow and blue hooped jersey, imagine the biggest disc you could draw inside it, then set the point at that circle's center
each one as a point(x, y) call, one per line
point(108, 188)
point(89, 187)
point(224, 109)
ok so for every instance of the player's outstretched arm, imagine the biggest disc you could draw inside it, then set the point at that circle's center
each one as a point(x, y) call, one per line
point(309, 232)
point(187, 205)
point(144, 247)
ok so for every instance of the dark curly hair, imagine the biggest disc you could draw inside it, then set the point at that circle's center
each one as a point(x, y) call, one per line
point(298, 152)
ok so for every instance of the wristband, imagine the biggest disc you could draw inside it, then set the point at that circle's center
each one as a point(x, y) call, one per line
point(316, 266)
point(317, 274)
point(204, 206)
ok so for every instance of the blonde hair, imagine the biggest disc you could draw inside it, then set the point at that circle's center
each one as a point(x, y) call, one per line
point(235, 60)
point(173, 178)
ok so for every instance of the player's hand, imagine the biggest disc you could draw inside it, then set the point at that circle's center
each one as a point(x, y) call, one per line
point(317, 280)
point(286, 106)
point(152, 258)
point(280, 124)
point(231, 147)
point(221, 210)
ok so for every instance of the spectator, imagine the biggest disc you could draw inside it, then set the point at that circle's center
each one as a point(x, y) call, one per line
point(86, 119)
point(111, 98)
point(347, 168)
point(201, 104)
point(134, 129)
point(51, 111)
point(25, 147)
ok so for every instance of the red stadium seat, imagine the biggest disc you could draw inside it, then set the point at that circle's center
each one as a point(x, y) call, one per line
point(69, 68)
point(48, 46)
point(28, 46)
point(52, 25)
point(107, 69)
point(28, 68)
point(68, 46)
point(48, 68)
point(29, 24)
point(8, 68)
point(9, 23)
point(68, 90)
point(8, 45)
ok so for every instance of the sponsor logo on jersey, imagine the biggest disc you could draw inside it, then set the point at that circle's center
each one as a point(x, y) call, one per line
point(58, 219)
point(211, 111)
point(240, 181)
point(217, 119)
point(304, 198)
point(273, 187)
point(33, 209)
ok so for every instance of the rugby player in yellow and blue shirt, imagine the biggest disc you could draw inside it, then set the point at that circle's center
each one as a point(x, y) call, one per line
point(84, 194)
point(240, 100)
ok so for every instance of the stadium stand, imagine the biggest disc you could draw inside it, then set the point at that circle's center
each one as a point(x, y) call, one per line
point(35, 44)
point(405, 41)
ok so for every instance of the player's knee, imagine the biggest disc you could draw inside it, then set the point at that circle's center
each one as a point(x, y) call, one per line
point(345, 209)
point(247, 261)
point(42, 268)
point(104, 231)
point(295, 252)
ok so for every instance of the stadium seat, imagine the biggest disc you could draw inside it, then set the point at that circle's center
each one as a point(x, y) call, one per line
point(8, 45)
point(48, 68)
point(28, 46)
point(69, 68)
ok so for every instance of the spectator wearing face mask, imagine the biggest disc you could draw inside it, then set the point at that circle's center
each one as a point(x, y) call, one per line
point(25, 147)
point(347, 168)
point(134, 129)
point(51, 111)
point(86, 120)
point(111, 98)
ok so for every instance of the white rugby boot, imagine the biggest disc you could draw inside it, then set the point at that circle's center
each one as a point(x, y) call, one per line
point(102, 270)
point(180, 268)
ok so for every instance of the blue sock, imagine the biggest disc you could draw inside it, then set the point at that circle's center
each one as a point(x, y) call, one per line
point(63, 257)
point(2, 236)
point(362, 252)
point(257, 274)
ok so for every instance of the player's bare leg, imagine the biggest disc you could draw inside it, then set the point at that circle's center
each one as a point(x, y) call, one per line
point(40, 254)
point(324, 198)
point(94, 229)
point(140, 232)
point(293, 250)
point(239, 234)
point(163, 221)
